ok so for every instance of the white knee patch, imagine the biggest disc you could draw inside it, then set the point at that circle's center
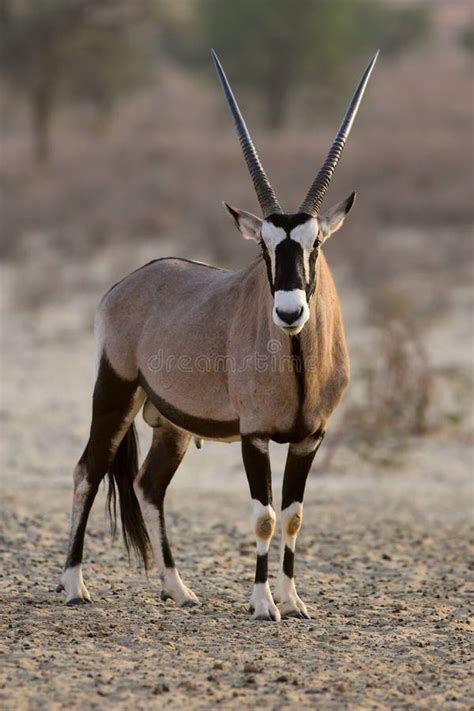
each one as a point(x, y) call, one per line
point(264, 525)
point(291, 520)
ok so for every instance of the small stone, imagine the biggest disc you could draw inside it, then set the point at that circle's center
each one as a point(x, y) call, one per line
point(160, 688)
point(188, 685)
point(282, 679)
point(399, 607)
point(250, 668)
point(218, 665)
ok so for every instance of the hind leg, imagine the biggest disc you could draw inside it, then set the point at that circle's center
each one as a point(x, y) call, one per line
point(114, 406)
point(167, 450)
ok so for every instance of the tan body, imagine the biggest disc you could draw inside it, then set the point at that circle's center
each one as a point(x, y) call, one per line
point(187, 319)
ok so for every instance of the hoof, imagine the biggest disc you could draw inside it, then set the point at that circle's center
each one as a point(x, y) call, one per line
point(261, 601)
point(297, 614)
point(186, 602)
point(266, 618)
point(189, 602)
point(293, 606)
point(78, 601)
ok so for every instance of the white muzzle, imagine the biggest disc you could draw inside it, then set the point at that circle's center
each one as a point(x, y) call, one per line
point(290, 310)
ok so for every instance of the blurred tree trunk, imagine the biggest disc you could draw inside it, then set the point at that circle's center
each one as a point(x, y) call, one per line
point(42, 112)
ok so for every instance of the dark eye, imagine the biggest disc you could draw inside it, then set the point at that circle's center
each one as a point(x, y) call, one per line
point(317, 243)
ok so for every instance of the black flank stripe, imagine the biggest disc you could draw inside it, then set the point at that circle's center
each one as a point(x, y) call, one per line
point(191, 423)
point(300, 380)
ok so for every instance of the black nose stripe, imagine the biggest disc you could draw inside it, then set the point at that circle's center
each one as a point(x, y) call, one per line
point(289, 266)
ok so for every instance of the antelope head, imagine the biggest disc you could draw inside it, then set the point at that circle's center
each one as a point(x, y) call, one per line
point(290, 242)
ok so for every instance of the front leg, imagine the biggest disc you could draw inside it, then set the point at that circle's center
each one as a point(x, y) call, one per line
point(298, 463)
point(257, 467)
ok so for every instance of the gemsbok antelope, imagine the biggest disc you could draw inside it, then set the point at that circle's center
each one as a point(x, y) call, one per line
point(253, 355)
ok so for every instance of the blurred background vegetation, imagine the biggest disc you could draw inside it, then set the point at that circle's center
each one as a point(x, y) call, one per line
point(60, 52)
point(117, 148)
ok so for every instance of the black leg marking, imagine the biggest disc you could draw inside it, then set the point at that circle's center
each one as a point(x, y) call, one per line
point(257, 468)
point(168, 559)
point(288, 562)
point(261, 569)
point(296, 473)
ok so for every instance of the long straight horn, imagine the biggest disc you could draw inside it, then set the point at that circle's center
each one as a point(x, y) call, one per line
point(318, 189)
point(264, 190)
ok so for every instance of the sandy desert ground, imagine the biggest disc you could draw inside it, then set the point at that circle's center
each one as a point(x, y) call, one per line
point(383, 564)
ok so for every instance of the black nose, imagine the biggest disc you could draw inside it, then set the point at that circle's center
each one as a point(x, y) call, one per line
point(289, 317)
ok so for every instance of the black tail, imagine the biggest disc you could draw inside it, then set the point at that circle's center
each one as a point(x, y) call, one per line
point(123, 472)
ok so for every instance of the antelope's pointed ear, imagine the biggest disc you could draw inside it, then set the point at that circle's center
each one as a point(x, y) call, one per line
point(331, 220)
point(248, 225)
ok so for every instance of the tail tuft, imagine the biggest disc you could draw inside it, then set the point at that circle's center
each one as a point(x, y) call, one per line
point(122, 473)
